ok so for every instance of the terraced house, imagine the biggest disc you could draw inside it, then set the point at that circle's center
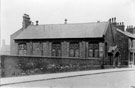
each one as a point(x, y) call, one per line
point(131, 34)
point(93, 40)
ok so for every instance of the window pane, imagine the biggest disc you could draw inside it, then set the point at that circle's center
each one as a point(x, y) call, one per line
point(24, 52)
point(95, 46)
point(22, 49)
point(100, 53)
point(71, 53)
point(77, 53)
point(90, 46)
point(90, 53)
point(20, 52)
point(74, 49)
point(58, 53)
point(56, 49)
point(24, 46)
point(53, 52)
point(96, 53)
point(93, 50)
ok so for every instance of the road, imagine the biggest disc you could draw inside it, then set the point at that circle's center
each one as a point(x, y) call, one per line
point(120, 79)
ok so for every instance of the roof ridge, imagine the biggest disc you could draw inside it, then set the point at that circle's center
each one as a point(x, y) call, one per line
point(71, 23)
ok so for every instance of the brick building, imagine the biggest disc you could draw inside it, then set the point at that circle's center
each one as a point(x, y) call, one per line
point(94, 40)
point(131, 34)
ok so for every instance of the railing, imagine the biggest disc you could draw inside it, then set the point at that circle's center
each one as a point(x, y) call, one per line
point(30, 65)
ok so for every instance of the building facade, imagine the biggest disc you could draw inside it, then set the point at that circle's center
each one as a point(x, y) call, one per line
point(131, 34)
point(78, 40)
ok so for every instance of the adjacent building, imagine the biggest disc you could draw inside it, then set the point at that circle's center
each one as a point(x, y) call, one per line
point(4, 49)
point(93, 40)
point(131, 34)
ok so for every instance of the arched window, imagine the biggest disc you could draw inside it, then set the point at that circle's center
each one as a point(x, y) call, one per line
point(93, 50)
point(56, 49)
point(22, 48)
point(74, 49)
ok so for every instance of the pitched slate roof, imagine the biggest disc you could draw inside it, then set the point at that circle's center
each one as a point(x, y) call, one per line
point(127, 33)
point(75, 30)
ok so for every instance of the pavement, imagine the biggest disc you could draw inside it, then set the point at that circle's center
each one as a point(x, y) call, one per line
point(105, 78)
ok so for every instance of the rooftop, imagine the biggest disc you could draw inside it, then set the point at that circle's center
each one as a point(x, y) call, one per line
point(127, 33)
point(75, 30)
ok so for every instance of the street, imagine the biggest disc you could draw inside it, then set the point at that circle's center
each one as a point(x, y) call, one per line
point(118, 79)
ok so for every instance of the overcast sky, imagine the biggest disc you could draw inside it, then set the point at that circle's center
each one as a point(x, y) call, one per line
point(55, 11)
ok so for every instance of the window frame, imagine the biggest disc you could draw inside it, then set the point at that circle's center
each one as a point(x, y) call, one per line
point(22, 49)
point(75, 47)
point(93, 46)
point(56, 47)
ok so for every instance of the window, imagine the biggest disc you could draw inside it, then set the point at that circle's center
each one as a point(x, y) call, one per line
point(56, 49)
point(74, 49)
point(93, 50)
point(22, 48)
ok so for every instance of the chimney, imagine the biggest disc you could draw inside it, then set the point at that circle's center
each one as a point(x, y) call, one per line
point(65, 21)
point(121, 26)
point(37, 23)
point(114, 21)
point(130, 29)
point(110, 20)
point(26, 21)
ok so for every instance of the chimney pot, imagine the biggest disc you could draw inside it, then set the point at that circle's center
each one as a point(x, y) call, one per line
point(65, 21)
point(110, 20)
point(36, 23)
point(114, 19)
point(120, 23)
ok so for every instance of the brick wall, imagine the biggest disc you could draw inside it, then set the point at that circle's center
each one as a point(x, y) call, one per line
point(114, 37)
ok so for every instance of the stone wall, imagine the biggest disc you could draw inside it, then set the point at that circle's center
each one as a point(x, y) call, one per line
point(30, 65)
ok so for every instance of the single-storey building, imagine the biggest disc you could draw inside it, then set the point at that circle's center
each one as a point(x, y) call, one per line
point(92, 40)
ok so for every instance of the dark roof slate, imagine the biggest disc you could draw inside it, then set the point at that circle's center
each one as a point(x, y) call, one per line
point(127, 33)
point(75, 30)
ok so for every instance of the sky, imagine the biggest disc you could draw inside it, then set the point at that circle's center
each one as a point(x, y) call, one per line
point(55, 11)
